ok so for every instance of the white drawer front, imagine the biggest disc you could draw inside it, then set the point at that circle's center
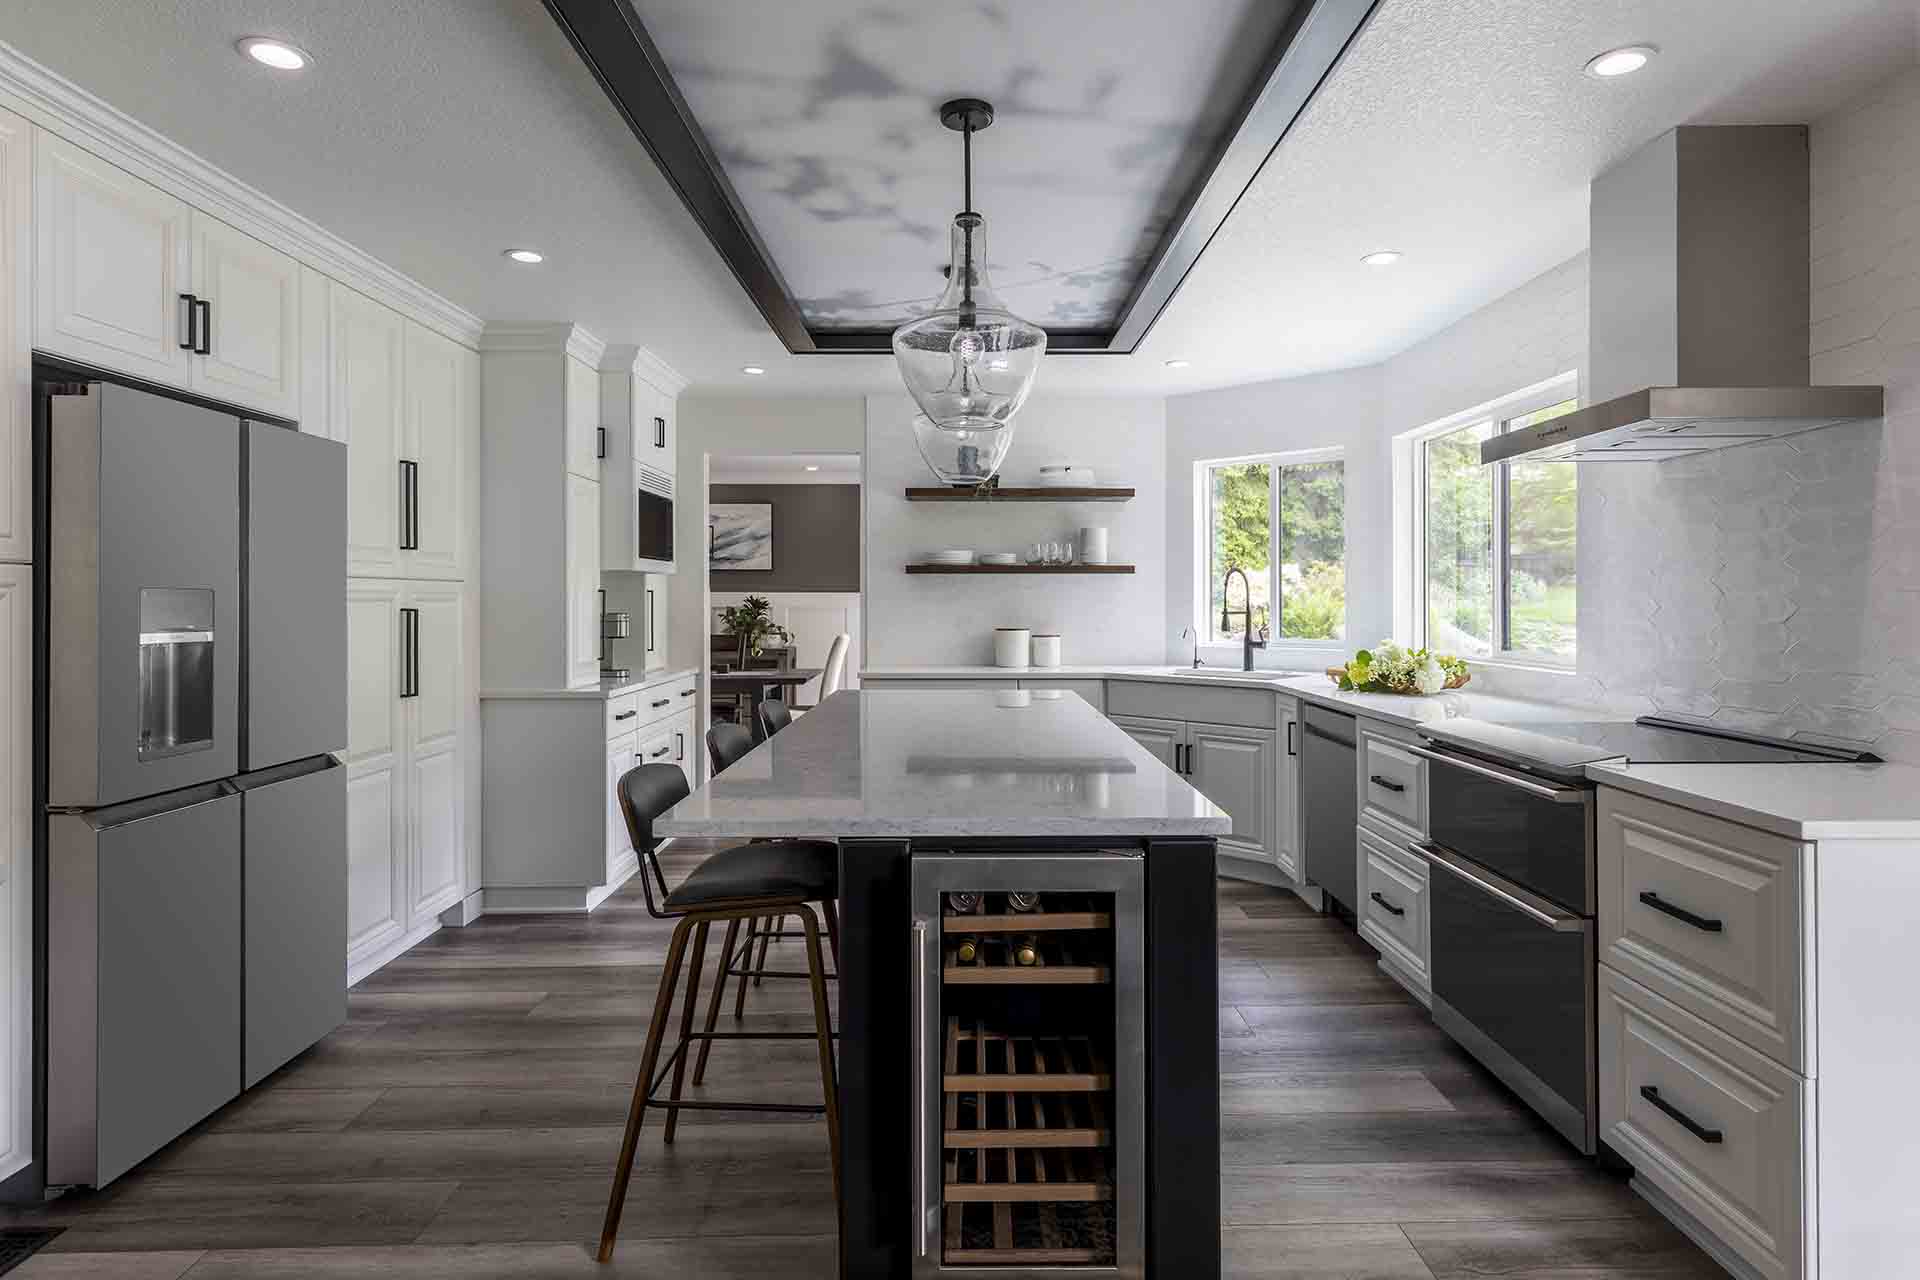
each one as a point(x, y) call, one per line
point(1393, 785)
point(1742, 1175)
point(1393, 907)
point(623, 714)
point(1709, 914)
point(664, 700)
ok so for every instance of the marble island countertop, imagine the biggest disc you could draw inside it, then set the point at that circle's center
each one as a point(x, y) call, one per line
point(902, 762)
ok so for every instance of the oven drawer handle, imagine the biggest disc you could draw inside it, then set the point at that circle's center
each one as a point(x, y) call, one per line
point(1651, 899)
point(1559, 795)
point(1512, 895)
point(1680, 1117)
point(1388, 783)
point(1398, 911)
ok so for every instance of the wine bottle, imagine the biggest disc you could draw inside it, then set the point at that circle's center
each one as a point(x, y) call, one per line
point(1022, 901)
point(963, 903)
point(967, 950)
point(1026, 951)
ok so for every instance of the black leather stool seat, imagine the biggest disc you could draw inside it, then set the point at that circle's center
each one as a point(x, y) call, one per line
point(806, 870)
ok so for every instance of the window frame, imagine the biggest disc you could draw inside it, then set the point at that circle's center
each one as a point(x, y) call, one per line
point(1410, 462)
point(1201, 619)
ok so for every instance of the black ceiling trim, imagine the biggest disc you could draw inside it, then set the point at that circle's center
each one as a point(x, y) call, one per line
point(612, 41)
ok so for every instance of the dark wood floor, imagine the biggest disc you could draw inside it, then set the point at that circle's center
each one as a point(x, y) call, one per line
point(465, 1121)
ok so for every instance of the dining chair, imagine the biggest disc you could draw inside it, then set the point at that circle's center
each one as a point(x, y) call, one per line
point(834, 674)
point(726, 743)
point(745, 882)
point(774, 716)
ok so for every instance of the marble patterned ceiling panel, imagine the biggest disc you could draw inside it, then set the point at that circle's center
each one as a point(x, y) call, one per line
point(823, 114)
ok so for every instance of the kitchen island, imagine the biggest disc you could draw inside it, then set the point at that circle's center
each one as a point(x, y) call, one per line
point(1049, 1099)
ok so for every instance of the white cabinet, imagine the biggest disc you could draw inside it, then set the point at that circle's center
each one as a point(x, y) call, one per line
point(16, 868)
point(1286, 788)
point(405, 748)
point(620, 758)
point(1392, 783)
point(248, 333)
point(369, 414)
point(111, 264)
point(1232, 765)
point(16, 329)
point(1394, 913)
point(583, 582)
point(442, 381)
point(582, 418)
point(1165, 740)
point(654, 622)
point(637, 452)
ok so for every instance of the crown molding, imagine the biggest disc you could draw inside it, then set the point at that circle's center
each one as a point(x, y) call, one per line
point(645, 365)
point(64, 108)
point(564, 336)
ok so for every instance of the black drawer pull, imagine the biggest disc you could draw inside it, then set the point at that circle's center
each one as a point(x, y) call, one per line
point(626, 715)
point(1399, 911)
point(664, 702)
point(1654, 900)
point(686, 693)
point(1388, 783)
point(1680, 1117)
point(655, 755)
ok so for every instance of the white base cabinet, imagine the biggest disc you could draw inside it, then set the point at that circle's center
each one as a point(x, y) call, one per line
point(406, 859)
point(1393, 912)
point(1231, 765)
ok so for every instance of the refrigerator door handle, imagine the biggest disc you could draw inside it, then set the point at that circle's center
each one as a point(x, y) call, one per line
point(409, 653)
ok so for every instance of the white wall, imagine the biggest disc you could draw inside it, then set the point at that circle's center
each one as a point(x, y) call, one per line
point(944, 620)
point(1270, 417)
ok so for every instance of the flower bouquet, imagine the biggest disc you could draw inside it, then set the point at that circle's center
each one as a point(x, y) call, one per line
point(1389, 668)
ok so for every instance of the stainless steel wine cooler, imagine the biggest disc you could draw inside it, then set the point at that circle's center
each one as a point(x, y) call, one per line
point(1029, 1061)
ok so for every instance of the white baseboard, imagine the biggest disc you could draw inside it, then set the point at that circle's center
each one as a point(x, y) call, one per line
point(464, 912)
point(1693, 1229)
point(1233, 867)
point(378, 960)
point(549, 899)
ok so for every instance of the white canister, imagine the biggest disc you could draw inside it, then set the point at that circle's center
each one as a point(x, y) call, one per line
point(1046, 651)
point(1093, 545)
point(1012, 646)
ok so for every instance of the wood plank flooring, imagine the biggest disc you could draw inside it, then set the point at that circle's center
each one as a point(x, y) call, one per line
point(465, 1120)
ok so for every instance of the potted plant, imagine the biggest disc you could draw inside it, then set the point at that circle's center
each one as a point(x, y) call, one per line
point(750, 622)
point(1389, 668)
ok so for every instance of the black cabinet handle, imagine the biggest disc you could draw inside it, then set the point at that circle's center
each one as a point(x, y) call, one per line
point(662, 703)
point(679, 747)
point(1388, 783)
point(600, 444)
point(1680, 1117)
point(192, 316)
point(409, 653)
point(650, 602)
point(655, 755)
point(659, 433)
point(1654, 900)
point(686, 693)
point(409, 505)
point(204, 347)
point(1292, 749)
point(626, 715)
point(1398, 911)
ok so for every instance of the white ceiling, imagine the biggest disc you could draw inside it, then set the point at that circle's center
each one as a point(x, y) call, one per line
point(436, 133)
point(783, 468)
point(819, 113)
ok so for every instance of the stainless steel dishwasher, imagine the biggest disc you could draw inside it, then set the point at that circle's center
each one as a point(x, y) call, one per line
point(1328, 772)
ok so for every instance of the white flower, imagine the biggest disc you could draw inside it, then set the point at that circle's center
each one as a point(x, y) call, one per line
point(1430, 679)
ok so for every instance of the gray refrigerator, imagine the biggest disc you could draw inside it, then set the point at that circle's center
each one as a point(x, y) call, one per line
point(195, 688)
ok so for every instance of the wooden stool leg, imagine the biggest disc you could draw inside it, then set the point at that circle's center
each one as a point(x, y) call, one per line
point(713, 1001)
point(637, 1110)
point(746, 957)
point(823, 1029)
point(773, 925)
point(832, 912)
point(686, 1023)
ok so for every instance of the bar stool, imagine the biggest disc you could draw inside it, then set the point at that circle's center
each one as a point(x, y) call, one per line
point(774, 716)
point(736, 884)
point(726, 743)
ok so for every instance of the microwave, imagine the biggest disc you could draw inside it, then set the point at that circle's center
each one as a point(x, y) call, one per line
point(653, 520)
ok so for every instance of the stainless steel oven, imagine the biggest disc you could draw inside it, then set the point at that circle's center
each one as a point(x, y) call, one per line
point(1029, 1064)
point(1511, 903)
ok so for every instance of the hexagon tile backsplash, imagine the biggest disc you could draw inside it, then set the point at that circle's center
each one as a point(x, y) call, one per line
point(1776, 588)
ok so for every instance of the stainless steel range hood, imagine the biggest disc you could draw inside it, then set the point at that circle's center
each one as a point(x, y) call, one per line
point(1698, 309)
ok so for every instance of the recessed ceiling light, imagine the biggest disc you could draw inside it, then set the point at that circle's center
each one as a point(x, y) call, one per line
point(277, 54)
point(1620, 62)
point(753, 369)
point(528, 256)
point(813, 466)
point(1382, 258)
point(998, 366)
point(1178, 364)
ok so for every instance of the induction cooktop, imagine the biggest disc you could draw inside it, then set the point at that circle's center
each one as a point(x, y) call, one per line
point(1564, 750)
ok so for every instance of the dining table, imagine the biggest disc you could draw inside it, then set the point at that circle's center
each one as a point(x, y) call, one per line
point(755, 685)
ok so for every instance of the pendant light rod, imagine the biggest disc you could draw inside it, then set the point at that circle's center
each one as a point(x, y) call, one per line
point(967, 116)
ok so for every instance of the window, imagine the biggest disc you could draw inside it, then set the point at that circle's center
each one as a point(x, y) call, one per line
point(1282, 520)
point(1496, 544)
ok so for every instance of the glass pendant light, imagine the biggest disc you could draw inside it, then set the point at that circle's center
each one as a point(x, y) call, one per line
point(970, 362)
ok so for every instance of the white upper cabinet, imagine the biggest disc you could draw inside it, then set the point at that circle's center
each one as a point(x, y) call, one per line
point(442, 380)
point(111, 264)
point(583, 582)
point(248, 324)
point(637, 416)
point(583, 419)
point(16, 324)
point(368, 410)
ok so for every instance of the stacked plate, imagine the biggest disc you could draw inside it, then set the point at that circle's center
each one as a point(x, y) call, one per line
point(1000, 557)
point(952, 555)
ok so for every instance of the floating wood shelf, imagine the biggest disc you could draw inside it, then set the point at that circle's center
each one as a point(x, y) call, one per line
point(1019, 568)
point(1047, 494)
